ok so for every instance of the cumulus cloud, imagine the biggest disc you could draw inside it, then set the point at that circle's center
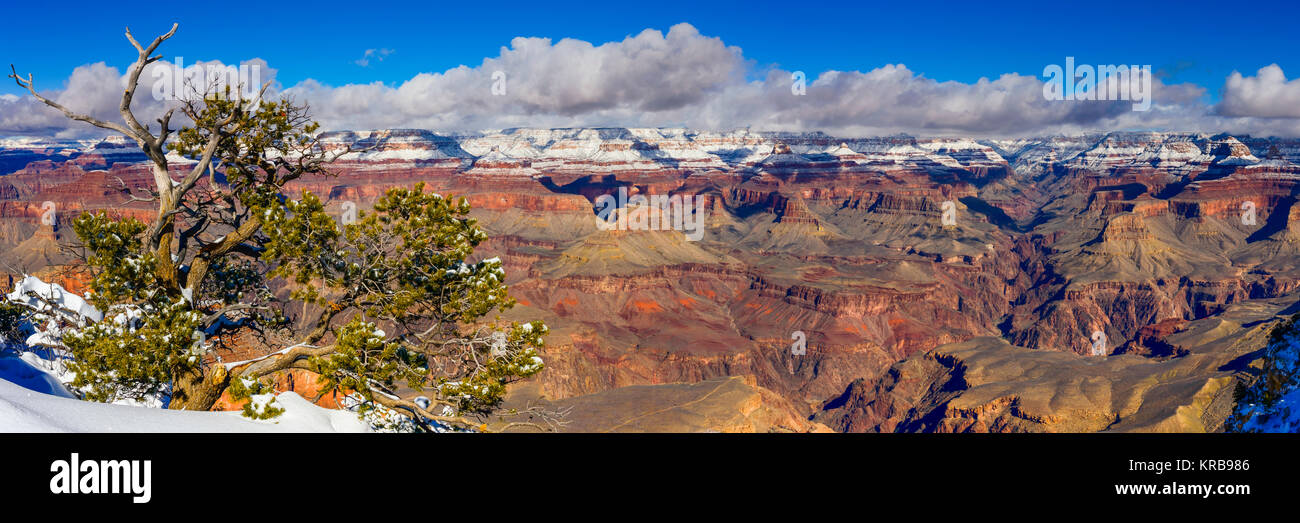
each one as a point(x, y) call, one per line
point(96, 90)
point(537, 82)
point(1268, 94)
point(684, 78)
point(893, 98)
point(93, 89)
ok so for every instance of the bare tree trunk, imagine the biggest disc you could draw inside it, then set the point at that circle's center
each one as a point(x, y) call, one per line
point(199, 390)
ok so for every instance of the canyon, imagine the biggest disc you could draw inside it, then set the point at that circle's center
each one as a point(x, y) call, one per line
point(938, 284)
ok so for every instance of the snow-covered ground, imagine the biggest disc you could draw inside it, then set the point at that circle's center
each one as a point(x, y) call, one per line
point(34, 393)
point(1284, 414)
point(34, 398)
point(30, 371)
point(26, 410)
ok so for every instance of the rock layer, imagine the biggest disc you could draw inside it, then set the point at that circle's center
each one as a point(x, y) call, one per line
point(903, 262)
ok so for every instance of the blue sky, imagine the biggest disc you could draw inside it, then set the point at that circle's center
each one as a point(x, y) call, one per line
point(711, 64)
point(1189, 41)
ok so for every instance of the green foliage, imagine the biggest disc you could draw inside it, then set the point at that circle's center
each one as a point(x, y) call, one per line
point(147, 336)
point(136, 351)
point(510, 355)
point(14, 324)
point(121, 274)
point(363, 357)
point(416, 244)
point(405, 263)
point(300, 243)
point(261, 398)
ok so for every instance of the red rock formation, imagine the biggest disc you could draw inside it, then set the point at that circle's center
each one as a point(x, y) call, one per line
point(1132, 234)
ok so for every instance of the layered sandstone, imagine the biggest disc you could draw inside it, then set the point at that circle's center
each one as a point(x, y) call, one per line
point(889, 254)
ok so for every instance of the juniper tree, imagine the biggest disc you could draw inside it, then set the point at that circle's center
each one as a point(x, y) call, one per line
point(230, 251)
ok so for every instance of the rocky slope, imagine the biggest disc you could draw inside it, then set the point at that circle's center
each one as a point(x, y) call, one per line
point(988, 385)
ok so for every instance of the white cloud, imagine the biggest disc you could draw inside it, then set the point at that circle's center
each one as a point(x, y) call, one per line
point(1267, 94)
point(683, 78)
point(570, 82)
point(377, 54)
point(96, 89)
